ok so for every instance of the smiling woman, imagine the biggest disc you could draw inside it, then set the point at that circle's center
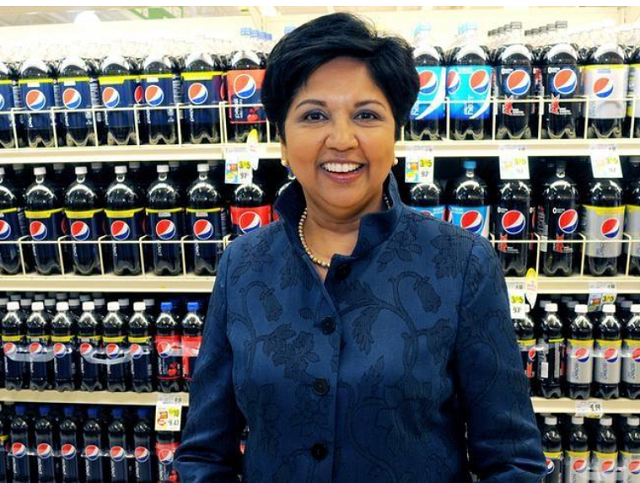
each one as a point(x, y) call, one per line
point(360, 341)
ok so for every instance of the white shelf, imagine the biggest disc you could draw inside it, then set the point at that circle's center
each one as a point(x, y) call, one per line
point(82, 397)
point(568, 406)
point(581, 284)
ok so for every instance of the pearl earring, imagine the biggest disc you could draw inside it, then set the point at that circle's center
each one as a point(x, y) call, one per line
point(395, 162)
point(284, 163)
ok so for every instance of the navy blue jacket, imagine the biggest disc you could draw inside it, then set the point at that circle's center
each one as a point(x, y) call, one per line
point(402, 367)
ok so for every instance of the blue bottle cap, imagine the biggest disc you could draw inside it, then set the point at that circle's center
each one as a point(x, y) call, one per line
point(193, 306)
point(117, 413)
point(21, 409)
point(166, 306)
point(245, 31)
point(92, 412)
point(68, 411)
point(44, 409)
point(143, 413)
point(469, 165)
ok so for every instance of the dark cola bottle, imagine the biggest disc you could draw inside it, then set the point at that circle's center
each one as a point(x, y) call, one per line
point(11, 224)
point(579, 353)
point(632, 216)
point(168, 341)
point(120, 92)
point(469, 201)
point(95, 444)
point(577, 454)
point(16, 373)
point(65, 348)
point(550, 369)
point(192, 329)
point(629, 446)
point(70, 447)
point(142, 349)
point(552, 449)
point(89, 341)
point(525, 329)
point(250, 208)
point(38, 89)
point(114, 328)
point(604, 452)
point(9, 100)
point(631, 355)
point(160, 97)
point(119, 447)
point(145, 465)
point(608, 360)
point(23, 464)
point(428, 197)
point(47, 446)
point(39, 339)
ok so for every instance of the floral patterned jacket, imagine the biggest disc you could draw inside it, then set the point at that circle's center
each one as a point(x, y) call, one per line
point(402, 367)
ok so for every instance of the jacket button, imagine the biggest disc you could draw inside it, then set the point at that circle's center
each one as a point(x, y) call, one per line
point(321, 387)
point(319, 451)
point(343, 271)
point(328, 325)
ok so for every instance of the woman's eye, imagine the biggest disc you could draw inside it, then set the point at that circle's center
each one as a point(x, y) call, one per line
point(314, 116)
point(367, 116)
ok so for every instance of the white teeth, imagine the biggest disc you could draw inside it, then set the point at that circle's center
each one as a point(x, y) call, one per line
point(340, 167)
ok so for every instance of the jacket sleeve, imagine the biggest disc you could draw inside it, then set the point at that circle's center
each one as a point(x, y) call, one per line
point(209, 451)
point(503, 439)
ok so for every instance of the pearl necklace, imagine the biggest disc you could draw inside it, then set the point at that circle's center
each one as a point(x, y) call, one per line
point(315, 260)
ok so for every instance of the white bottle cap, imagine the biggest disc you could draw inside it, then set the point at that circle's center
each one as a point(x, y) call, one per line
point(551, 307)
point(37, 306)
point(139, 306)
point(635, 309)
point(633, 421)
point(1, 170)
point(550, 420)
point(113, 306)
point(81, 170)
point(121, 169)
point(12, 306)
point(162, 168)
point(527, 309)
point(203, 168)
point(609, 309)
point(581, 309)
point(606, 421)
point(88, 306)
point(62, 306)
point(578, 420)
point(39, 171)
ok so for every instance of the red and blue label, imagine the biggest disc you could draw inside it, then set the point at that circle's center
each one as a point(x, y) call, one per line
point(515, 83)
point(38, 97)
point(207, 227)
point(76, 95)
point(247, 220)
point(513, 222)
point(166, 227)
point(431, 96)
point(158, 92)
point(125, 228)
point(46, 228)
point(9, 225)
point(469, 90)
point(117, 93)
point(245, 87)
point(565, 82)
point(437, 212)
point(568, 222)
point(204, 90)
point(7, 102)
point(169, 358)
point(474, 219)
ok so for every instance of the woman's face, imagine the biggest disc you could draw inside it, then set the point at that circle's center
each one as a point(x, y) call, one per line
point(340, 137)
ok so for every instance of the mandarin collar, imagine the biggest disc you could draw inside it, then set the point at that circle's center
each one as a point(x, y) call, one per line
point(375, 228)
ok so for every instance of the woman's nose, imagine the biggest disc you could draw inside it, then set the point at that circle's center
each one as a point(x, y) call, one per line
point(342, 136)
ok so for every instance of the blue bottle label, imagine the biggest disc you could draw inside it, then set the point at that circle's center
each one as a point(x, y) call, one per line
point(165, 225)
point(437, 212)
point(159, 92)
point(125, 225)
point(7, 103)
point(39, 95)
point(469, 91)
point(120, 92)
point(472, 218)
point(430, 103)
point(207, 226)
point(76, 94)
point(202, 89)
point(245, 87)
point(10, 224)
point(45, 225)
point(85, 225)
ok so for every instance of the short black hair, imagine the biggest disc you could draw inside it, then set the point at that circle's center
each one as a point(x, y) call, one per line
point(299, 53)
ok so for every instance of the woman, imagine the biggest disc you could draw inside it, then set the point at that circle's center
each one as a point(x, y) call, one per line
point(359, 340)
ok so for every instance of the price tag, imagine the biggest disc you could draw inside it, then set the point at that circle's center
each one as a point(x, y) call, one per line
point(516, 299)
point(419, 165)
point(238, 166)
point(601, 293)
point(168, 412)
point(531, 287)
point(593, 408)
point(514, 162)
point(605, 161)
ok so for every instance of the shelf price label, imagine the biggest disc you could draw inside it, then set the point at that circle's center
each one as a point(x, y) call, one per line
point(168, 412)
point(514, 162)
point(419, 165)
point(239, 165)
point(516, 299)
point(531, 287)
point(593, 408)
point(601, 293)
point(605, 161)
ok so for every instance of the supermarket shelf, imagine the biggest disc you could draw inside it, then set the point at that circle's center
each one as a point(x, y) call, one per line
point(568, 406)
point(189, 152)
point(581, 284)
point(82, 397)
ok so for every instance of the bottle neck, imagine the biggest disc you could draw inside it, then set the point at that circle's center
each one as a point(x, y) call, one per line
point(120, 177)
point(81, 178)
point(162, 177)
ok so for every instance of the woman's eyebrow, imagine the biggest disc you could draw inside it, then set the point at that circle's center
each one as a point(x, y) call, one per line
point(316, 102)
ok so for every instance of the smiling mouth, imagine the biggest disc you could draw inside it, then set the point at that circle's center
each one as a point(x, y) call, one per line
point(342, 167)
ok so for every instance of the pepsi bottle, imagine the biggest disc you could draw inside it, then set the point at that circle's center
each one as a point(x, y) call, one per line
point(514, 83)
point(4, 444)
point(579, 365)
point(244, 86)
point(192, 329)
point(145, 464)
point(142, 349)
point(202, 83)
point(512, 222)
point(427, 197)
point(63, 330)
point(427, 117)
point(207, 219)
point(16, 373)
point(124, 209)
point(93, 437)
point(120, 93)
point(118, 448)
point(604, 452)
point(165, 211)
point(22, 463)
point(550, 370)
point(167, 341)
point(45, 217)
point(608, 365)
point(38, 88)
point(561, 80)
point(92, 375)
point(631, 355)
point(11, 222)
point(629, 445)
point(633, 91)
point(38, 325)
point(114, 327)
point(46, 446)
point(468, 202)
point(526, 337)
point(632, 217)
point(70, 447)
point(577, 455)
point(558, 223)
point(79, 91)
point(84, 207)
point(8, 102)
point(469, 88)
point(249, 208)
point(166, 446)
point(552, 449)
point(161, 94)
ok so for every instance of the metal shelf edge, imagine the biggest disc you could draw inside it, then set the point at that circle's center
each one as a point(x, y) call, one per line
point(81, 397)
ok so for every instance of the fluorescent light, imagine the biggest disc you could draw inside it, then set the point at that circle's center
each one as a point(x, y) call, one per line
point(87, 17)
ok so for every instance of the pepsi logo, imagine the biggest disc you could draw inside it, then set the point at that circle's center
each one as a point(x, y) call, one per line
point(38, 230)
point(1, 102)
point(135, 350)
point(138, 95)
point(117, 453)
point(44, 450)
point(582, 354)
point(166, 229)
point(580, 466)
point(453, 81)
point(202, 229)
point(513, 222)
point(165, 456)
point(142, 454)
point(608, 467)
point(610, 228)
point(244, 86)
point(565, 81)
point(165, 349)
point(120, 230)
point(113, 351)
point(249, 221)
point(59, 349)
point(532, 354)
point(568, 221)
point(80, 230)
point(35, 100)
point(92, 452)
point(550, 466)
point(479, 82)
point(611, 355)
point(35, 348)
point(110, 97)
point(5, 230)
point(86, 348)
point(10, 348)
point(518, 82)
point(68, 451)
point(636, 355)
point(634, 467)
point(18, 450)
point(428, 82)
point(197, 93)
point(603, 87)
point(71, 98)
point(472, 221)
point(154, 95)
